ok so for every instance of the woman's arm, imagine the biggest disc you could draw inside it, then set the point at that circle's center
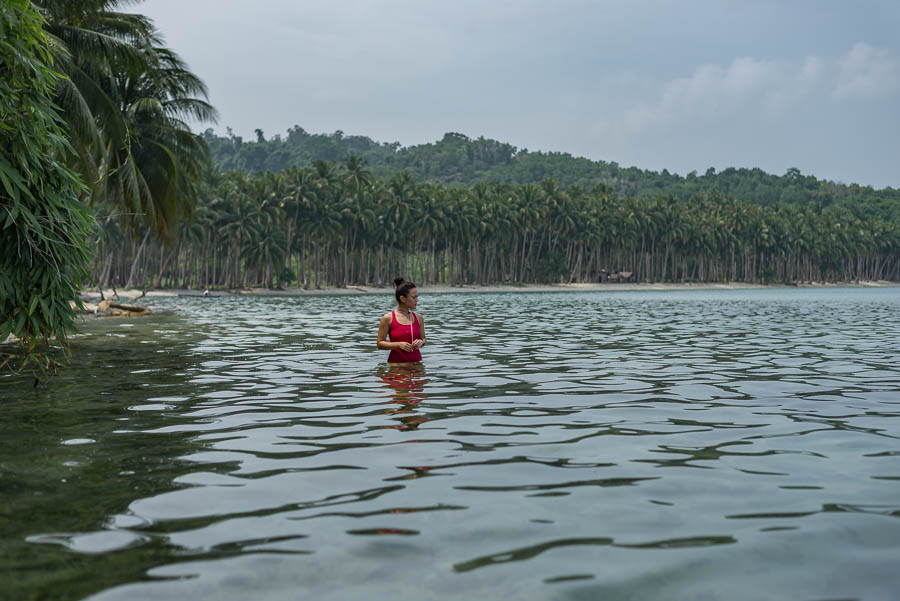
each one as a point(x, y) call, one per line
point(384, 327)
point(420, 342)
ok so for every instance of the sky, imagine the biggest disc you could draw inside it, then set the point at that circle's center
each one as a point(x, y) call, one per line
point(677, 84)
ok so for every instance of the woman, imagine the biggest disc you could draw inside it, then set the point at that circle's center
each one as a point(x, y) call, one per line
point(405, 327)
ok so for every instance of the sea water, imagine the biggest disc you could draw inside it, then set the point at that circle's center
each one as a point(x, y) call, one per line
point(733, 445)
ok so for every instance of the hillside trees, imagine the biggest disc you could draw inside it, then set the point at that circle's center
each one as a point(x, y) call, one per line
point(458, 160)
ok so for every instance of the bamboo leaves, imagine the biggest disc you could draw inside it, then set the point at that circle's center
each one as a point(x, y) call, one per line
point(44, 252)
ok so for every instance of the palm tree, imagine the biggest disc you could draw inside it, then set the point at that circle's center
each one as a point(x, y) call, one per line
point(156, 174)
point(431, 226)
point(299, 201)
point(126, 102)
point(91, 42)
point(357, 174)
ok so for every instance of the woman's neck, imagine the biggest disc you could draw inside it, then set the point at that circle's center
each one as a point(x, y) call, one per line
point(403, 309)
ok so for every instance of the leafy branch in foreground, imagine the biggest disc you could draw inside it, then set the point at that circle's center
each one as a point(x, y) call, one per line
point(44, 228)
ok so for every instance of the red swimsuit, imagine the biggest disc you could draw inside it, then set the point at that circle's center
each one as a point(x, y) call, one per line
point(404, 333)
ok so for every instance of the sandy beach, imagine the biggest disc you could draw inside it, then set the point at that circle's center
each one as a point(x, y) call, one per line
point(134, 294)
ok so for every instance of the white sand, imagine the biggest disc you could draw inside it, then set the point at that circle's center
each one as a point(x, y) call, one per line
point(133, 294)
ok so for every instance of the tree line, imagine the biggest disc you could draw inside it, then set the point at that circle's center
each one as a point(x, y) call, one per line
point(333, 224)
point(457, 160)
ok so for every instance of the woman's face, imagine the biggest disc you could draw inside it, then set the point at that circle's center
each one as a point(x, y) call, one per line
point(411, 299)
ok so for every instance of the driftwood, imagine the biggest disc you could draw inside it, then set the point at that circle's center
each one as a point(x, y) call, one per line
point(109, 308)
point(122, 310)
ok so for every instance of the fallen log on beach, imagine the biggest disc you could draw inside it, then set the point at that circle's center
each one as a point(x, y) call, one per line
point(122, 310)
point(109, 308)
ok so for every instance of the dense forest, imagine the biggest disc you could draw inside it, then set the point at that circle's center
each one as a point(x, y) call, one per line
point(457, 160)
point(340, 224)
point(332, 210)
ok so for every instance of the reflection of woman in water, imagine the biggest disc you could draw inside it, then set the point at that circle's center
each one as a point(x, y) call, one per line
point(406, 383)
point(405, 328)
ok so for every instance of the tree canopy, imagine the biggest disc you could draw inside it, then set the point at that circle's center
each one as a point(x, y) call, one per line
point(340, 224)
point(458, 160)
point(126, 99)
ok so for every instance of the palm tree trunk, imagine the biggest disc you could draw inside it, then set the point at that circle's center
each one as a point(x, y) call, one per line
point(136, 259)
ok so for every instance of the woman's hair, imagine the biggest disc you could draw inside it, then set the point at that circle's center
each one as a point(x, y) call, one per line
point(402, 288)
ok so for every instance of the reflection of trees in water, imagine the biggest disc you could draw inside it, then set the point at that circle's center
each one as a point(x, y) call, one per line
point(405, 384)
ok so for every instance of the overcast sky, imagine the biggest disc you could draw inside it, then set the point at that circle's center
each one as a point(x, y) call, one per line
point(676, 84)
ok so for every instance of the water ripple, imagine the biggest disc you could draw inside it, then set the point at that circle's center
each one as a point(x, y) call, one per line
point(630, 445)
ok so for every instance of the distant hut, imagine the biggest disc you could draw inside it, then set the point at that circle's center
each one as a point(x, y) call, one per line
point(616, 276)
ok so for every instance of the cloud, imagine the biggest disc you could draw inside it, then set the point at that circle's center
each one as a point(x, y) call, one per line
point(752, 88)
point(867, 73)
point(714, 92)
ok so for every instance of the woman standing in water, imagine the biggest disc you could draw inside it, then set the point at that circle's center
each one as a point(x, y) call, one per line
point(405, 327)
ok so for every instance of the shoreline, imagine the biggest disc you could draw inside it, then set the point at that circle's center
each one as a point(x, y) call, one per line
point(135, 294)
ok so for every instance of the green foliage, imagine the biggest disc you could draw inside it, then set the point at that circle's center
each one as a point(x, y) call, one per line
point(297, 148)
point(484, 219)
point(552, 268)
point(286, 276)
point(44, 227)
point(459, 160)
point(125, 100)
point(339, 225)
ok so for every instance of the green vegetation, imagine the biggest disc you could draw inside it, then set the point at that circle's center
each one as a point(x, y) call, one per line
point(92, 114)
point(342, 225)
point(459, 161)
point(282, 212)
point(44, 228)
point(125, 99)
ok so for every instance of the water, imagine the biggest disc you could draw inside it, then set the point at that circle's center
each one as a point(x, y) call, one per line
point(734, 445)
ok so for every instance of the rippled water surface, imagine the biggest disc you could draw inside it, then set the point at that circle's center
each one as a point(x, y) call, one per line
point(634, 445)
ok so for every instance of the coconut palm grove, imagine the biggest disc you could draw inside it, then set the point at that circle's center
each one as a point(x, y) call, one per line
point(103, 183)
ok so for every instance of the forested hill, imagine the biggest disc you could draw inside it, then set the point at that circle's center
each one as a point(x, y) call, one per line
point(458, 159)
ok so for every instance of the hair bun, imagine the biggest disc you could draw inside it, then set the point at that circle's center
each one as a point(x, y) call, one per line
point(398, 282)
